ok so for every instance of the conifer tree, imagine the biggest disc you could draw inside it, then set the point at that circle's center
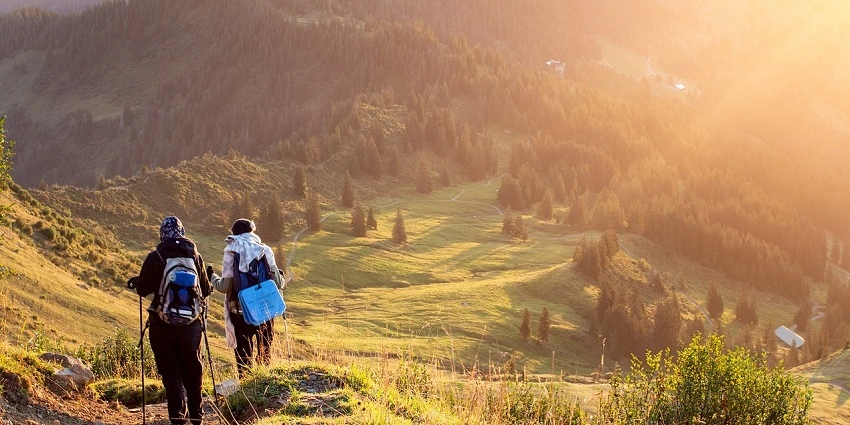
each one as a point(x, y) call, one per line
point(347, 191)
point(804, 314)
point(358, 221)
point(508, 223)
point(241, 208)
point(559, 189)
point(423, 176)
point(373, 159)
point(714, 303)
point(592, 261)
point(271, 224)
point(668, 323)
point(312, 214)
point(543, 326)
point(525, 327)
point(519, 227)
point(399, 234)
point(544, 208)
point(280, 257)
point(392, 162)
point(371, 223)
point(299, 182)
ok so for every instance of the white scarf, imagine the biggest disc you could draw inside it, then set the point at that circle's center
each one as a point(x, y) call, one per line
point(247, 245)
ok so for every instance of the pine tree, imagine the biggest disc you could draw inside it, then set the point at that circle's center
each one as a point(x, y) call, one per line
point(347, 191)
point(804, 314)
point(543, 326)
point(373, 159)
point(668, 323)
point(358, 221)
point(271, 224)
point(544, 208)
point(508, 223)
point(519, 228)
point(714, 303)
point(371, 223)
point(280, 257)
point(399, 234)
point(591, 261)
point(525, 327)
point(299, 182)
point(241, 208)
point(423, 177)
point(312, 214)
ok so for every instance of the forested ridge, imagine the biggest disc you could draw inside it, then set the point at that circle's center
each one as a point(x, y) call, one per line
point(290, 81)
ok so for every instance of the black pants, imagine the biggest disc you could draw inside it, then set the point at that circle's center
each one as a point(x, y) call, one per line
point(245, 333)
point(177, 350)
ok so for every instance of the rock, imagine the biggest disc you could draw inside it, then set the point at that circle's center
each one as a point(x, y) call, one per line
point(75, 374)
point(56, 422)
point(227, 387)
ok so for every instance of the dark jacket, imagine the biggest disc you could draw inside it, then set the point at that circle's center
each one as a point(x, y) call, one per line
point(154, 266)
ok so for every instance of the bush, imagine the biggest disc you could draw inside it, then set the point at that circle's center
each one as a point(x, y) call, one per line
point(117, 357)
point(706, 384)
point(48, 232)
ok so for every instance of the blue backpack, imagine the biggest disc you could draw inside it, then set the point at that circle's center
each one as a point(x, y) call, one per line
point(258, 296)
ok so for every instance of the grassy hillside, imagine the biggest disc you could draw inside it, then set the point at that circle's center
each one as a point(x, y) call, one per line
point(452, 295)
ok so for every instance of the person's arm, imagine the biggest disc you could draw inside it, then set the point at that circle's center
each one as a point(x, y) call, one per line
point(204, 281)
point(224, 282)
point(150, 275)
point(278, 279)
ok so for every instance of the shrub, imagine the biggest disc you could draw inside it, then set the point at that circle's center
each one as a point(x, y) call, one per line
point(117, 357)
point(48, 232)
point(708, 385)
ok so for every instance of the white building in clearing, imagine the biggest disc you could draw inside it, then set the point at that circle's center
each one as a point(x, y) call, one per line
point(789, 337)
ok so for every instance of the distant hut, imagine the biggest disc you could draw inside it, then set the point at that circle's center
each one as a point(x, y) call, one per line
point(789, 337)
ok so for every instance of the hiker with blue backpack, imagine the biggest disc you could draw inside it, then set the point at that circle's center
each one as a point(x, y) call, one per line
point(173, 272)
point(248, 266)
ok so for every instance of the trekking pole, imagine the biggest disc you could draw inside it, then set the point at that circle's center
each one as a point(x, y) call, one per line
point(286, 330)
point(209, 356)
point(131, 284)
point(142, 355)
point(286, 278)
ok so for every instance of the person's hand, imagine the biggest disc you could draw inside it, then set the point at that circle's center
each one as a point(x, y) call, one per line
point(132, 282)
point(210, 272)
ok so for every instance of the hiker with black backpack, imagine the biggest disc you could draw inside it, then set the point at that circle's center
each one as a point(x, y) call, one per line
point(247, 262)
point(174, 273)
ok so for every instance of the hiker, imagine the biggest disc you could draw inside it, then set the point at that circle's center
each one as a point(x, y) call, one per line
point(245, 245)
point(176, 347)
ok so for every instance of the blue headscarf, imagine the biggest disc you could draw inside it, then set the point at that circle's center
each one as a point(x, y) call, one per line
point(171, 227)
